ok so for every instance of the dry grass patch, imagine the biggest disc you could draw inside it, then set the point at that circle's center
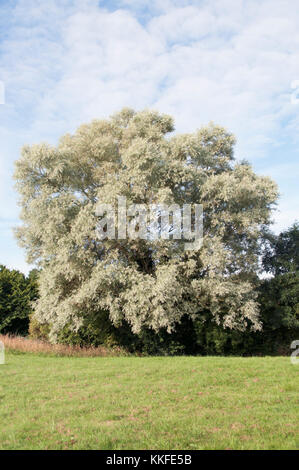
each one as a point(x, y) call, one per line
point(28, 345)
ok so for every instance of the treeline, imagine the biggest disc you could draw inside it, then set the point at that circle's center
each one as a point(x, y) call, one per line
point(278, 296)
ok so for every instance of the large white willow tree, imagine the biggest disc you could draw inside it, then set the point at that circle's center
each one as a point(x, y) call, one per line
point(147, 283)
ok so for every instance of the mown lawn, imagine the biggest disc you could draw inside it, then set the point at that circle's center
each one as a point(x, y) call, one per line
point(148, 403)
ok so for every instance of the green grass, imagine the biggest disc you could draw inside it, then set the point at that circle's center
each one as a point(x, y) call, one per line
point(148, 403)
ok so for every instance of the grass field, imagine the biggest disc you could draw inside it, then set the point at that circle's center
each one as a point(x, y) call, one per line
point(148, 403)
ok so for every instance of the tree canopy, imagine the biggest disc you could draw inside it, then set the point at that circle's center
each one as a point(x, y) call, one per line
point(151, 283)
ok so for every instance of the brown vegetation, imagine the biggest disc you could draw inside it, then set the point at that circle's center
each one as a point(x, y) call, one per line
point(28, 345)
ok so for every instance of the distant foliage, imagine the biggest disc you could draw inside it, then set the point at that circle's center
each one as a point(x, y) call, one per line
point(279, 295)
point(281, 254)
point(148, 286)
point(17, 293)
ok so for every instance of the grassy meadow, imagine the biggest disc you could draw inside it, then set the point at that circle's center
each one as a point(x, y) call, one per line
point(148, 402)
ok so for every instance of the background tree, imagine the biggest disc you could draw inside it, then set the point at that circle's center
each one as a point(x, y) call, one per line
point(145, 284)
point(16, 296)
point(280, 294)
point(281, 254)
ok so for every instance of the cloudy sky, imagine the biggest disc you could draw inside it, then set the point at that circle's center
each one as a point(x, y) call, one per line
point(235, 62)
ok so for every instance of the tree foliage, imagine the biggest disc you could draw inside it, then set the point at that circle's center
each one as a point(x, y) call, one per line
point(280, 294)
point(279, 305)
point(16, 295)
point(281, 254)
point(145, 284)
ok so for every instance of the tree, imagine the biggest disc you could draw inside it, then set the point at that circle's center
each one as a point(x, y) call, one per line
point(281, 254)
point(151, 283)
point(16, 294)
point(280, 294)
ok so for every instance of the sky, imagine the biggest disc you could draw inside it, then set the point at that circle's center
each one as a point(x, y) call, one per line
point(234, 62)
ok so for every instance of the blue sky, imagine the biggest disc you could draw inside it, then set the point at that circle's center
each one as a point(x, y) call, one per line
point(64, 62)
